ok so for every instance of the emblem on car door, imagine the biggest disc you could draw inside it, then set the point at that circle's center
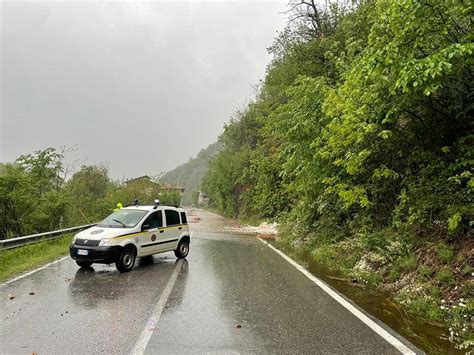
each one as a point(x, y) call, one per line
point(153, 238)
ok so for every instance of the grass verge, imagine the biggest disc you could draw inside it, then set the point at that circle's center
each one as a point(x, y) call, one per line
point(16, 261)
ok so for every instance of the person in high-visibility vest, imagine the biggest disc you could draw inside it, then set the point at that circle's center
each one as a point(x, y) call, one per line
point(119, 206)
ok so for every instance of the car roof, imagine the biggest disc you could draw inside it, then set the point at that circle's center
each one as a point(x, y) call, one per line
point(153, 207)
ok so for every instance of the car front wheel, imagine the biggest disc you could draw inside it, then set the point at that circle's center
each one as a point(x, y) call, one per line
point(183, 249)
point(126, 260)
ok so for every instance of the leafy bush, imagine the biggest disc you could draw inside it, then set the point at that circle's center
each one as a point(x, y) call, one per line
point(394, 274)
point(445, 276)
point(375, 241)
point(425, 271)
point(402, 265)
point(408, 263)
point(372, 279)
point(444, 252)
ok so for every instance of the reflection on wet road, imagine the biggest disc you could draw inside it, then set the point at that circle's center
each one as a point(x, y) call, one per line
point(80, 311)
point(233, 294)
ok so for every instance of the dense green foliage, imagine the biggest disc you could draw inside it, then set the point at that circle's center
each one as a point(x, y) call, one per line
point(35, 195)
point(189, 175)
point(366, 124)
point(360, 143)
point(30, 194)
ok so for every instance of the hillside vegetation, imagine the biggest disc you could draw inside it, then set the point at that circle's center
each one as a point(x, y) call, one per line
point(190, 174)
point(38, 195)
point(360, 143)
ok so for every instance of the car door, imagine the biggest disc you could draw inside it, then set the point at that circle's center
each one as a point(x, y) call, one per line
point(172, 230)
point(150, 240)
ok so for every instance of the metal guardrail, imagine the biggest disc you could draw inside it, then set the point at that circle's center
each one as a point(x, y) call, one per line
point(35, 238)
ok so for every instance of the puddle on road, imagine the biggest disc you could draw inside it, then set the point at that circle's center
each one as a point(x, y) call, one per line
point(428, 337)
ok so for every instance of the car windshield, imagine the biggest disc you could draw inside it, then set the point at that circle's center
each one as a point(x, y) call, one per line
point(123, 218)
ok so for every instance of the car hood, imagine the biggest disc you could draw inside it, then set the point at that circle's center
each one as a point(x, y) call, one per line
point(98, 233)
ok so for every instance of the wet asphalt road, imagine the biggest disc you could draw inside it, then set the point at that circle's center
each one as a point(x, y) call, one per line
point(226, 280)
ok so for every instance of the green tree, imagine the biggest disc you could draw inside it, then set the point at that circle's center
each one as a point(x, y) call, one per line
point(87, 192)
point(16, 201)
point(45, 168)
point(30, 194)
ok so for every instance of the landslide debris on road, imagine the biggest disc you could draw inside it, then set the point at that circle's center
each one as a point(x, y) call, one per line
point(202, 220)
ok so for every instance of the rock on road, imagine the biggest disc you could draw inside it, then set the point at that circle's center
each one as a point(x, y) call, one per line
point(233, 294)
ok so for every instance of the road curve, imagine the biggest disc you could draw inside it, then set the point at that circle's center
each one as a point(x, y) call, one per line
point(233, 294)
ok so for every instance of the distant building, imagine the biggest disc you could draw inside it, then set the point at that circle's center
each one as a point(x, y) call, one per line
point(203, 199)
point(144, 183)
point(172, 188)
point(149, 185)
point(142, 179)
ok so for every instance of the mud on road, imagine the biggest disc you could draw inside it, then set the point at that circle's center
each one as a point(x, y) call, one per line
point(201, 220)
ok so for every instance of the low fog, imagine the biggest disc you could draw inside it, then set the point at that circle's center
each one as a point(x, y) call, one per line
point(139, 87)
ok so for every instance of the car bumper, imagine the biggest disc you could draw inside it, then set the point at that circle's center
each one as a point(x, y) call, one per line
point(104, 255)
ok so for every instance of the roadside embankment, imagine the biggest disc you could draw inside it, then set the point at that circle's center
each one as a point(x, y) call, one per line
point(430, 282)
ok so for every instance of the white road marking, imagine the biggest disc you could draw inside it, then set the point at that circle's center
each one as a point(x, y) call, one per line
point(356, 312)
point(146, 333)
point(33, 271)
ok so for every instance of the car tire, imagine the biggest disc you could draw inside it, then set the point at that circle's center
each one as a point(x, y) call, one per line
point(126, 260)
point(84, 264)
point(183, 249)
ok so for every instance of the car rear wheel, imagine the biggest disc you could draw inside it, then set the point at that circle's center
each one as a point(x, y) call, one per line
point(84, 264)
point(183, 249)
point(126, 260)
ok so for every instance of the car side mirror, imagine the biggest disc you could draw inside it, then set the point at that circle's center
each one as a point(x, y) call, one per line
point(145, 227)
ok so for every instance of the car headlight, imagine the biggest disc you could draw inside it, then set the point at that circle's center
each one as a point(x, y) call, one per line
point(74, 239)
point(105, 242)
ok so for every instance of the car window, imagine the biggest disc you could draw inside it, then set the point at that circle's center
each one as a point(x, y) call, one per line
point(155, 220)
point(172, 217)
point(183, 218)
point(123, 218)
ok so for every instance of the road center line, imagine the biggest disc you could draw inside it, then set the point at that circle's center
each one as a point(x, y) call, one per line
point(155, 316)
point(347, 305)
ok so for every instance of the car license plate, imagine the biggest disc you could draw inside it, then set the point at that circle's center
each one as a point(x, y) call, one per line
point(82, 252)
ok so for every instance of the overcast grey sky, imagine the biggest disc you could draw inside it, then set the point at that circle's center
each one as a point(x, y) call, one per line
point(140, 86)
